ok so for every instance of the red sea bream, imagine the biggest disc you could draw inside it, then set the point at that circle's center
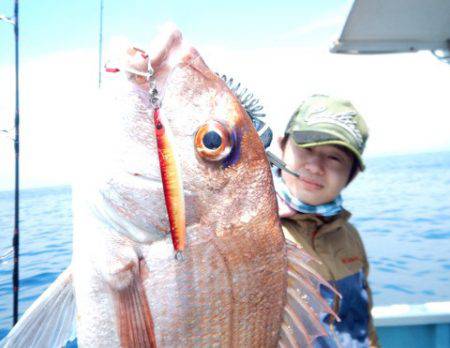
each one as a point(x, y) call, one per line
point(237, 282)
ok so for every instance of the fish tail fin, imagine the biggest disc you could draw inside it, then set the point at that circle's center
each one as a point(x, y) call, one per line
point(50, 320)
point(301, 321)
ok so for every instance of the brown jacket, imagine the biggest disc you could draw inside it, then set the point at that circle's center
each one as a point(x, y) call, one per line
point(339, 248)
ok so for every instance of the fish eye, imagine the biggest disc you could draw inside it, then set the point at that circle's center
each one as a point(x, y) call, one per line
point(213, 141)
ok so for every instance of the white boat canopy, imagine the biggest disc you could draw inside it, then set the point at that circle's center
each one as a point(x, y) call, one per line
point(391, 26)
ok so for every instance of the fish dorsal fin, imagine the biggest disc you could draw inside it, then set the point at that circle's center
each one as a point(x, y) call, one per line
point(304, 304)
point(49, 321)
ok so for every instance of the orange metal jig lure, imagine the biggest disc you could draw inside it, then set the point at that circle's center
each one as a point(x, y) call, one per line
point(173, 190)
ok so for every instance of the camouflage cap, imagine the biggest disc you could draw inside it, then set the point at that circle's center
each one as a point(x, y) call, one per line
point(323, 120)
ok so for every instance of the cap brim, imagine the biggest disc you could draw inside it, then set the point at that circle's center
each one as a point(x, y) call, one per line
point(306, 139)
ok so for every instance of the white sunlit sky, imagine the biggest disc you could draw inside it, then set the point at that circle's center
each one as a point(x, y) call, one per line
point(277, 49)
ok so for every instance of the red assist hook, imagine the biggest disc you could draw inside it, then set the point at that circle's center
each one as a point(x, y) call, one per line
point(116, 69)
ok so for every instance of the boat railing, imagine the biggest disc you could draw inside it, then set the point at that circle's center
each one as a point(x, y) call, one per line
point(415, 325)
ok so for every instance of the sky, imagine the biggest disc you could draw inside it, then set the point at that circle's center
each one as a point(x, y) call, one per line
point(279, 50)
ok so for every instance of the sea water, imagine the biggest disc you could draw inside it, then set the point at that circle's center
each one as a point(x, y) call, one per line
point(400, 205)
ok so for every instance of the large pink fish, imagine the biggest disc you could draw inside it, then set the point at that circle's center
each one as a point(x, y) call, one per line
point(197, 186)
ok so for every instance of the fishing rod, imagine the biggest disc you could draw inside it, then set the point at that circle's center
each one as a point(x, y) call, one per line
point(15, 21)
point(100, 45)
point(17, 152)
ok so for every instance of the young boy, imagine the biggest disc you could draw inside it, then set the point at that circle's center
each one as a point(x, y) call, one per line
point(322, 149)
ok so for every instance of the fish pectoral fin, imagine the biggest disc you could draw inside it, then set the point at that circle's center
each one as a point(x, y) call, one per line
point(50, 320)
point(301, 321)
point(135, 322)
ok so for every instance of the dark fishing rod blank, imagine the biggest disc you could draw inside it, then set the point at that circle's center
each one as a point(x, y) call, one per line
point(16, 191)
point(15, 278)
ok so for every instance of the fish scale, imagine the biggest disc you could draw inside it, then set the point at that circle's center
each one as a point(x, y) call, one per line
point(206, 294)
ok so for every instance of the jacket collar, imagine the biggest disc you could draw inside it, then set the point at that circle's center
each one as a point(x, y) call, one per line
point(324, 225)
